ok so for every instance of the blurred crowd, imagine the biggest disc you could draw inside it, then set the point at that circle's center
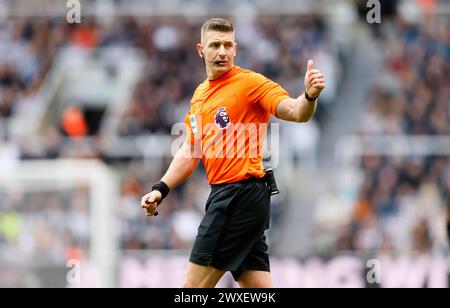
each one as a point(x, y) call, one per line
point(402, 202)
point(277, 47)
point(43, 225)
point(27, 50)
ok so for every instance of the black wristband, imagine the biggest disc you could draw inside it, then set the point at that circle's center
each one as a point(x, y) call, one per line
point(309, 98)
point(162, 188)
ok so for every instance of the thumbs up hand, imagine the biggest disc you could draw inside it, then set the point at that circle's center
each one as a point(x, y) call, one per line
point(314, 81)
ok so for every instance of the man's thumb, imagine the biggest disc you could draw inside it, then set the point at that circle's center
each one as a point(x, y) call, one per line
point(310, 64)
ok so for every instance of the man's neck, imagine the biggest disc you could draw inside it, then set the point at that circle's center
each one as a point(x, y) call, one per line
point(216, 75)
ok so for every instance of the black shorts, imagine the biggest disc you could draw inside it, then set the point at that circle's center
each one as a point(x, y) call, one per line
point(231, 235)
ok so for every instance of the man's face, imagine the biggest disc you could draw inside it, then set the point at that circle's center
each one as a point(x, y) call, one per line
point(218, 50)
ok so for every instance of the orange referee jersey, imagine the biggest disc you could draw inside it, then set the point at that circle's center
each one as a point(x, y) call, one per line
point(228, 120)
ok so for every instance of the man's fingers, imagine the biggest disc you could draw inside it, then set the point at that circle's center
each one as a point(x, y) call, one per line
point(148, 199)
point(150, 210)
point(144, 201)
point(149, 202)
point(319, 86)
point(152, 198)
point(318, 80)
point(316, 75)
point(152, 213)
point(312, 72)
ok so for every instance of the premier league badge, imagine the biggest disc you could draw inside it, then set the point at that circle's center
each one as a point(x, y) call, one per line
point(222, 119)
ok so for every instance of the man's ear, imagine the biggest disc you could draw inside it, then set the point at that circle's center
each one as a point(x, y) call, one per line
point(235, 48)
point(200, 50)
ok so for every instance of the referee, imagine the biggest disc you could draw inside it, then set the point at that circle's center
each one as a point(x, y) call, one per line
point(231, 236)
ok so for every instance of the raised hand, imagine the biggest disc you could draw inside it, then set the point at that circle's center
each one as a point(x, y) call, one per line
point(314, 81)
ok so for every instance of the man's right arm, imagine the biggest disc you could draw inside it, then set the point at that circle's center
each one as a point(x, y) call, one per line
point(181, 168)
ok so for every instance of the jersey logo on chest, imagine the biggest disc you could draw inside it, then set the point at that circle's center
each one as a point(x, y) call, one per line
point(222, 119)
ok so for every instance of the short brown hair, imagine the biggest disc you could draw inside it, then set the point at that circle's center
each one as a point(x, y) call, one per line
point(216, 24)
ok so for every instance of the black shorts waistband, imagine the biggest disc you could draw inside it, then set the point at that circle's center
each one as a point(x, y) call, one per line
point(247, 181)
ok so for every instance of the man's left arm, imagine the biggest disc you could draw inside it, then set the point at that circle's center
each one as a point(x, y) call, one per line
point(301, 109)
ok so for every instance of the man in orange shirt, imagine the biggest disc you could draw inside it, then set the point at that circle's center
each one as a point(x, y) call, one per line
point(226, 126)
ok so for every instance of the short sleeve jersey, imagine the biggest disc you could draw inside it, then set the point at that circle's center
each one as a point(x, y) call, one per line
point(228, 119)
